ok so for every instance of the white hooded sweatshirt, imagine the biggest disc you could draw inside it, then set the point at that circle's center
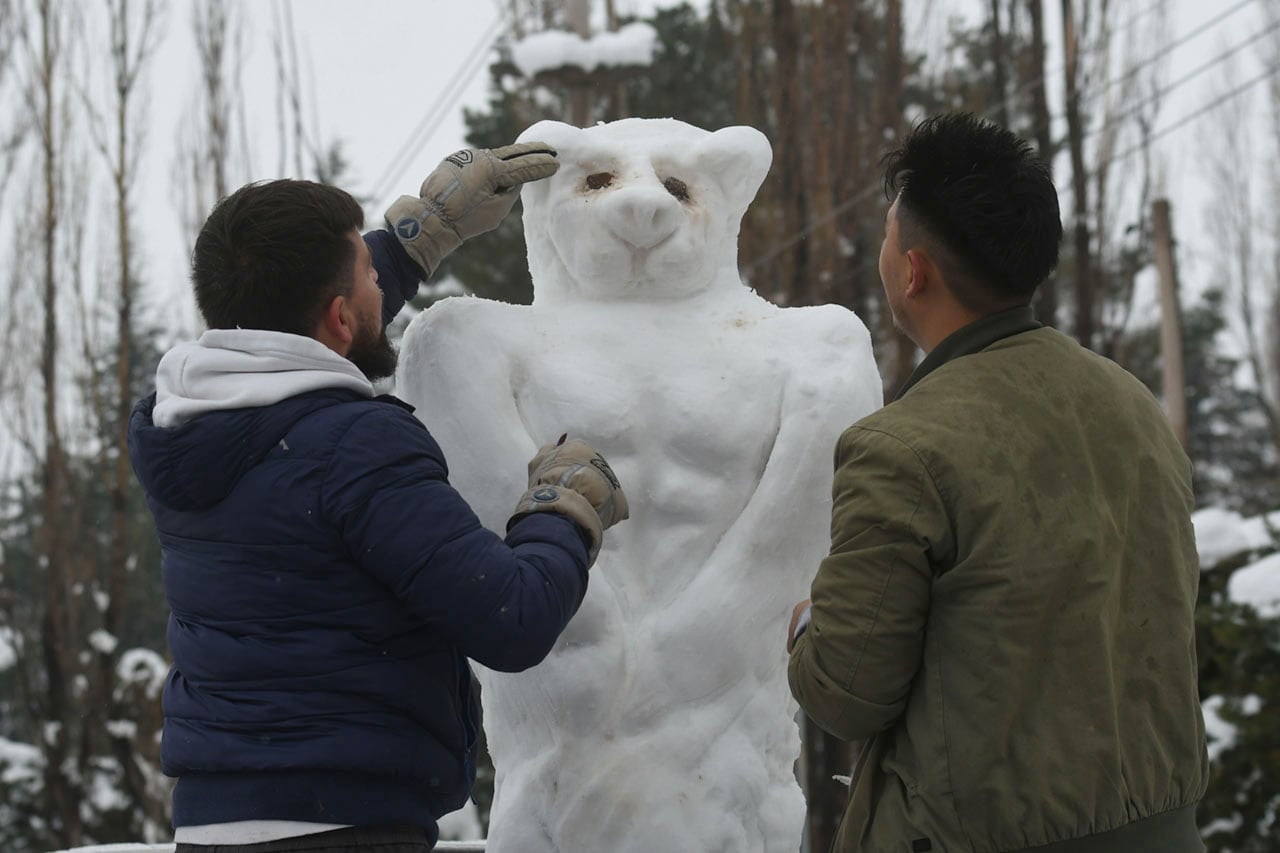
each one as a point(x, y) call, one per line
point(244, 368)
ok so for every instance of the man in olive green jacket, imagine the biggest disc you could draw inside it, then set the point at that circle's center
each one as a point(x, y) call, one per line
point(1006, 615)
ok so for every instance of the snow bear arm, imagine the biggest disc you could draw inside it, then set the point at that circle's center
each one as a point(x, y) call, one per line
point(457, 369)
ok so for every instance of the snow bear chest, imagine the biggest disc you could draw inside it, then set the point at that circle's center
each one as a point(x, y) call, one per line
point(686, 412)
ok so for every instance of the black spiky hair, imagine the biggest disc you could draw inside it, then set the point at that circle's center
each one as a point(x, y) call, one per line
point(983, 194)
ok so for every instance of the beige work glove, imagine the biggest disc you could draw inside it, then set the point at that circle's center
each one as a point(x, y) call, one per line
point(570, 478)
point(468, 194)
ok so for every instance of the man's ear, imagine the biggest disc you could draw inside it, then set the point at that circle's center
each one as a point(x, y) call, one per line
point(337, 328)
point(923, 272)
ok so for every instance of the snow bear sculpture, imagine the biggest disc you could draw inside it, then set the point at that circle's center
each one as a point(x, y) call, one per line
point(662, 719)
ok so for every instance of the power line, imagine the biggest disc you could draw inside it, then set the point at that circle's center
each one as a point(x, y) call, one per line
point(1190, 75)
point(1171, 46)
point(437, 112)
point(1180, 123)
point(1127, 25)
point(434, 115)
point(1192, 116)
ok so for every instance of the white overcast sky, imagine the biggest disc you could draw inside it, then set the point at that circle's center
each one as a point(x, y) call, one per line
point(376, 69)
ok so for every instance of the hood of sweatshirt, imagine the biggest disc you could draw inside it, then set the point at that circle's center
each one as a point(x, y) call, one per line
point(223, 402)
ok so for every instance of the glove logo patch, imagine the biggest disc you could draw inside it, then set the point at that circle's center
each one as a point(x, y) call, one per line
point(408, 228)
point(546, 495)
point(603, 467)
point(461, 158)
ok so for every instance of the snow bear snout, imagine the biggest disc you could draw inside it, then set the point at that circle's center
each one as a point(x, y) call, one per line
point(642, 216)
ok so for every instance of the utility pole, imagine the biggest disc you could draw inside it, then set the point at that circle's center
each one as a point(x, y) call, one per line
point(1175, 385)
point(619, 106)
point(579, 14)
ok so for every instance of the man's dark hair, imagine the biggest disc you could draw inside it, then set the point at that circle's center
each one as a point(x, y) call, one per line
point(272, 255)
point(983, 201)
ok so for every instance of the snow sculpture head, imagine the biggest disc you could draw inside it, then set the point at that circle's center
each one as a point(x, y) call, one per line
point(640, 209)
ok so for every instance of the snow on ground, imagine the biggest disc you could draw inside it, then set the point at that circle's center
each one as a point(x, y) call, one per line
point(442, 847)
point(462, 825)
point(121, 848)
point(460, 831)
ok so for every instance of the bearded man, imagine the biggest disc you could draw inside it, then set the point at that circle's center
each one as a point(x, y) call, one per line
point(327, 584)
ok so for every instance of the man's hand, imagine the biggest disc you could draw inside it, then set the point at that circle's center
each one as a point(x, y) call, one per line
point(570, 478)
point(798, 611)
point(469, 193)
point(575, 465)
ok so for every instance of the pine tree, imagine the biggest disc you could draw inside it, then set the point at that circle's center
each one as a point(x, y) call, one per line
point(1239, 654)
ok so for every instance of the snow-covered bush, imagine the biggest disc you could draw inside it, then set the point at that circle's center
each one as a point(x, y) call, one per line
point(21, 789)
point(1238, 634)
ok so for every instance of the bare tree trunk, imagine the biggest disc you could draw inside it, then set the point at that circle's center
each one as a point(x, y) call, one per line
point(814, 133)
point(14, 135)
point(794, 262)
point(1271, 390)
point(201, 170)
point(1047, 297)
point(1175, 383)
point(1084, 283)
point(902, 349)
point(755, 99)
point(57, 628)
point(211, 30)
point(133, 34)
point(288, 88)
point(1232, 223)
point(845, 288)
point(999, 67)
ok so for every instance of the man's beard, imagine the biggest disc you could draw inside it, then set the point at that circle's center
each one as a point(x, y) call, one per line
point(373, 354)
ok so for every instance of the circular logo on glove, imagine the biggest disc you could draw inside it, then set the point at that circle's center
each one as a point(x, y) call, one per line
point(461, 158)
point(408, 228)
point(546, 495)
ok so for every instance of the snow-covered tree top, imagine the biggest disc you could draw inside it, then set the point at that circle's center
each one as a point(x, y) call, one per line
point(633, 44)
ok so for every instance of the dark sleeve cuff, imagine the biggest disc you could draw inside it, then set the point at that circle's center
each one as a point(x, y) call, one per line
point(398, 276)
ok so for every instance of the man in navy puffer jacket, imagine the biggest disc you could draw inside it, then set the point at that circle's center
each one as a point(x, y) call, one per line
point(327, 584)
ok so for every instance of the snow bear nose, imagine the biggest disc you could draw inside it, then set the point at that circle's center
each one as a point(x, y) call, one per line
point(642, 216)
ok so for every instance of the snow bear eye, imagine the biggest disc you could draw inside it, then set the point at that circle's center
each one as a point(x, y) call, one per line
point(677, 188)
point(599, 180)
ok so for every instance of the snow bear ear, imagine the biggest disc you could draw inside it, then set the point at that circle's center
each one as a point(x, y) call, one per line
point(738, 158)
point(560, 136)
point(557, 134)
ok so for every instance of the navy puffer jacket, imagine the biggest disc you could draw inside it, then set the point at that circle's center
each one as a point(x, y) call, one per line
point(327, 585)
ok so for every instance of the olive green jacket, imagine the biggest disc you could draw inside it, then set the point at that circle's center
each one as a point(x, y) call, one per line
point(1007, 609)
